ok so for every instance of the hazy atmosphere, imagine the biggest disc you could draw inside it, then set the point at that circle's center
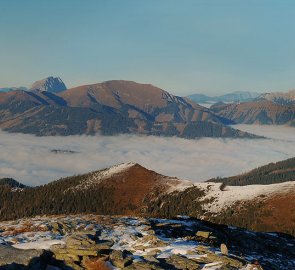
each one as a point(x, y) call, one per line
point(183, 47)
point(28, 158)
point(115, 113)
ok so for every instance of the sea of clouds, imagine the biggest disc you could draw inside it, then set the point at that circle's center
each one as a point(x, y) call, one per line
point(29, 159)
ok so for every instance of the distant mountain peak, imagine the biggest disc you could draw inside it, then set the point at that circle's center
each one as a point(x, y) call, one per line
point(49, 84)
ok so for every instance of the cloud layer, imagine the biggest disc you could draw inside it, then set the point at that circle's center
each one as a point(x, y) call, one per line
point(29, 159)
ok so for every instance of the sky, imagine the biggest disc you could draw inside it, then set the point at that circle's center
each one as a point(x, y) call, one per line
point(30, 159)
point(185, 47)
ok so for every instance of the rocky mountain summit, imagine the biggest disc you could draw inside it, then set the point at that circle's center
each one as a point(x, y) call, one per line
point(114, 242)
point(49, 84)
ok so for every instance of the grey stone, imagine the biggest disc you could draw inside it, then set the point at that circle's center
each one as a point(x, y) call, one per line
point(121, 258)
point(181, 262)
point(13, 258)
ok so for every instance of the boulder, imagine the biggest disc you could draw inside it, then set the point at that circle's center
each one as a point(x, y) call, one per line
point(13, 258)
point(181, 262)
point(224, 260)
point(203, 234)
point(121, 258)
point(152, 240)
point(88, 242)
point(79, 247)
point(224, 249)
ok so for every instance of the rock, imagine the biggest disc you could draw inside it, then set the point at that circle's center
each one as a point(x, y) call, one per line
point(50, 84)
point(13, 258)
point(153, 252)
point(151, 258)
point(80, 252)
point(224, 260)
point(81, 246)
point(86, 241)
point(254, 266)
point(181, 262)
point(206, 237)
point(57, 228)
point(203, 249)
point(120, 258)
point(224, 249)
point(136, 236)
point(204, 234)
point(153, 241)
point(67, 257)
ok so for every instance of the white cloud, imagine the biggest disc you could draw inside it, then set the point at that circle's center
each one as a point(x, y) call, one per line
point(29, 159)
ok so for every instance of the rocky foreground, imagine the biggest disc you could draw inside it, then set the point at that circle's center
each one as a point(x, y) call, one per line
point(110, 242)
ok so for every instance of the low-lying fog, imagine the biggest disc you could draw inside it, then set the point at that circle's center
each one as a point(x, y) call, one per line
point(30, 159)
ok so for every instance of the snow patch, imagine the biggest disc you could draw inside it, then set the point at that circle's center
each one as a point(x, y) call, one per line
point(178, 185)
point(41, 244)
point(233, 194)
point(117, 169)
point(97, 177)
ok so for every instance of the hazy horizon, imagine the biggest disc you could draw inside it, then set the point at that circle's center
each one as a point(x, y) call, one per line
point(183, 47)
point(196, 92)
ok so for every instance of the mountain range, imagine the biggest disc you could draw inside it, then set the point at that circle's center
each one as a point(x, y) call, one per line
point(238, 96)
point(277, 108)
point(126, 107)
point(287, 98)
point(108, 108)
point(261, 111)
point(8, 89)
point(130, 189)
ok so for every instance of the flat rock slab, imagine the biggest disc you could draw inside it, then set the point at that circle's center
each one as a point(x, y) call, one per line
point(10, 256)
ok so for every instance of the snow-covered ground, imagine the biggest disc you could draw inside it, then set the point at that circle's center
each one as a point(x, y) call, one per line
point(39, 244)
point(232, 194)
point(133, 234)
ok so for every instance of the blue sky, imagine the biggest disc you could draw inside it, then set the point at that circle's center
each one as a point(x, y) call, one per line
point(182, 46)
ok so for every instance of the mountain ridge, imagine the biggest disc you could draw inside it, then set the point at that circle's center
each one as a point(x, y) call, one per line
point(260, 111)
point(282, 98)
point(237, 96)
point(110, 108)
point(130, 189)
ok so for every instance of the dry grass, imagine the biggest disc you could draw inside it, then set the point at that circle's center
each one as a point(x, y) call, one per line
point(96, 264)
point(24, 228)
